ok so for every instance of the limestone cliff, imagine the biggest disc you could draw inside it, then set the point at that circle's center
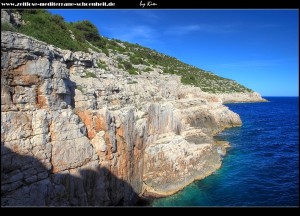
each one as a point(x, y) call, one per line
point(76, 134)
point(241, 97)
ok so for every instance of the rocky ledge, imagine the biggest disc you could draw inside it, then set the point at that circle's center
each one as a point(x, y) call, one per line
point(246, 97)
point(72, 138)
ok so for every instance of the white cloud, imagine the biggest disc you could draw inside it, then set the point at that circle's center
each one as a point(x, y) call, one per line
point(204, 28)
point(149, 15)
point(136, 34)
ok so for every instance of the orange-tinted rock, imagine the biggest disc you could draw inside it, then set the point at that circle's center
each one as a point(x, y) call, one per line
point(98, 141)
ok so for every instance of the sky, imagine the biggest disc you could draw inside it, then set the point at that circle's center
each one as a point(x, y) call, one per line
point(257, 48)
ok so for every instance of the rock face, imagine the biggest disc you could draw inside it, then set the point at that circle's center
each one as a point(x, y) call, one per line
point(68, 138)
point(241, 97)
point(13, 18)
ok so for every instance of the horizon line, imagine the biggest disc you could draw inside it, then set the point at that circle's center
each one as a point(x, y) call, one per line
point(281, 96)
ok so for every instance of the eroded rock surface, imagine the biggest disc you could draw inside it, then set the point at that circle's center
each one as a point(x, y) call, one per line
point(72, 139)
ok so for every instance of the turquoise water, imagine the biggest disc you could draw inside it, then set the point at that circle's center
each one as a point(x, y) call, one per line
point(262, 166)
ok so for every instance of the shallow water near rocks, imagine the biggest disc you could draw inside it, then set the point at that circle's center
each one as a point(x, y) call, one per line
point(262, 166)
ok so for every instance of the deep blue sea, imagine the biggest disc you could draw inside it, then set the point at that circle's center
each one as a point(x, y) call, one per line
point(262, 166)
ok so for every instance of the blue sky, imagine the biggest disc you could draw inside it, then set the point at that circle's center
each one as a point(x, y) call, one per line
point(257, 48)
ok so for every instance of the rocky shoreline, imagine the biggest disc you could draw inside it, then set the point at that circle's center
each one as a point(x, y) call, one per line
point(249, 97)
point(74, 134)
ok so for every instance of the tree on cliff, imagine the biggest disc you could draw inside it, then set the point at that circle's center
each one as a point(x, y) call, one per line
point(85, 30)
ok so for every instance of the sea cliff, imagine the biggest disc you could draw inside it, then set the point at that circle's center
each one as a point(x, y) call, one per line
point(76, 134)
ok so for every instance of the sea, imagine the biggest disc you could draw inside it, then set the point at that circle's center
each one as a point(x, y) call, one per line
point(262, 166)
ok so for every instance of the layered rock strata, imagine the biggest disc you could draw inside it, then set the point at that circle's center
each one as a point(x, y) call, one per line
point(72, 139)
point(241, 97)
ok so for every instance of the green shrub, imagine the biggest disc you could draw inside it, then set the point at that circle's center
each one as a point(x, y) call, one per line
point(105, 51)
point(127, 65)
point(132, 82)
point(120, 49)
point(146, 63)
point(136, 60)
point(119, 59)
point(59, 20)
point(51, 29)
point(89, 74)
point(79, 88)
point(7, 27)
point(148, 69)
point(120, 66)
point(102, 65)
point(88, 31)
point(133, 71)
point(169, 71)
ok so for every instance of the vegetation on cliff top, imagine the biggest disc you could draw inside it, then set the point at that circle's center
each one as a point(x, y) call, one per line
point(83, 35)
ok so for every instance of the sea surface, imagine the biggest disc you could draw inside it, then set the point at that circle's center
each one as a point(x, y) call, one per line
point(262, 166)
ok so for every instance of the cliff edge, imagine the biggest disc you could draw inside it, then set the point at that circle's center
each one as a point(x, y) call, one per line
point(77, 130)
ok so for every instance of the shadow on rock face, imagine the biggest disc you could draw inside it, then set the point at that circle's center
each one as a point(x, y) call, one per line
point(25, 181)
